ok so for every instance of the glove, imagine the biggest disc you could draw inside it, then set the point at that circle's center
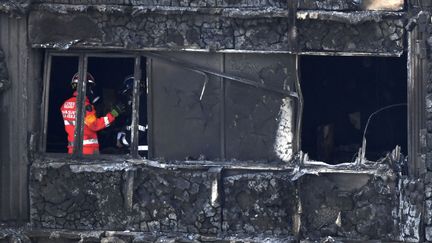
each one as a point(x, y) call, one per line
point(117, 109)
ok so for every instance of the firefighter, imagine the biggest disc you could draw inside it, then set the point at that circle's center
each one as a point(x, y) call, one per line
point(92, 124)
point(124, 136)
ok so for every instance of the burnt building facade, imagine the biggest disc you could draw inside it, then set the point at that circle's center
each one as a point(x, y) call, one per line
point(264, 121)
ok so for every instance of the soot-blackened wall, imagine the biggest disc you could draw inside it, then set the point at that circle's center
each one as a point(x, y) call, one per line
point(214, 201)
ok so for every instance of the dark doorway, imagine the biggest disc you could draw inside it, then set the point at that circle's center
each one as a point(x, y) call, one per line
point(340, 93)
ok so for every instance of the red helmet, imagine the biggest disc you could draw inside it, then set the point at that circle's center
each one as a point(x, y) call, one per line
point(75, 78)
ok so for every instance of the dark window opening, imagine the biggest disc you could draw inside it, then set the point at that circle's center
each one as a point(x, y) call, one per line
point(340, 93)
point(114, 84)
point(63, 69)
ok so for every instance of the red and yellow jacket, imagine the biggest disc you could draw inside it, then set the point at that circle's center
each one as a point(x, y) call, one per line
point(92, 124)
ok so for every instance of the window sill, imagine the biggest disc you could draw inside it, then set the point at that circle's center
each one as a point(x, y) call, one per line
point(104, 163)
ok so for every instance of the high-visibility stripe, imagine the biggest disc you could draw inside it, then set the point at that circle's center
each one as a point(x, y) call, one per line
point(69, 123)
point(106, 120)
point(143, 148)
point(140, 128)
point(87, 142)
point(90, 141)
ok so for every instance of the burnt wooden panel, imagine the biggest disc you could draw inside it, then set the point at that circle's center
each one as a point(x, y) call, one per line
point(183, 126)
point(18, 118)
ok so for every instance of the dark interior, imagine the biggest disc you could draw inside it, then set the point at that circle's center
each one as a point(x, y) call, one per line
point(109, 74)
point(340, 93)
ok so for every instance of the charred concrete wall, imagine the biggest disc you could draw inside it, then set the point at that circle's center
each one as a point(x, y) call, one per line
point(341, 5)
point(352, 5)
point(343, 33)
point(86, 197)
point(148, 200)
point(204, 26)
point(349, 206)
point(215, 201)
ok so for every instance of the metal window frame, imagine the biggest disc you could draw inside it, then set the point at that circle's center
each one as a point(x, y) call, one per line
point(82, 70)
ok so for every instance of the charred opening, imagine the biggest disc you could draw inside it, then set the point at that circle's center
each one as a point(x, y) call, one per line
point(112, 86)
point(340, 93)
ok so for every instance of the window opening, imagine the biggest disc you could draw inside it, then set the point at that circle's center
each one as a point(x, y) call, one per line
point(112, 89)
point(63, 69)
point(340, 93)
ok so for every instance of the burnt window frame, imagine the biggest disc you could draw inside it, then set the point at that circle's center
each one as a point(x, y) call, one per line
point(359, 157)
point(83, 57)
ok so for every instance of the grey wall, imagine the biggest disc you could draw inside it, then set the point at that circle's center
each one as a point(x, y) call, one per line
point(18, 116)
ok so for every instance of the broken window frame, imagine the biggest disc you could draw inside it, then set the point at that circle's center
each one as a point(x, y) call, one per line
point(81, 89)
point(360, 161)
point(83, 56)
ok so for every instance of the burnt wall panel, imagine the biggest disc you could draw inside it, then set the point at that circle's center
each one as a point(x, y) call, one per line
point(223, 29)
point(119, 30)
point(259, 203)
point(338, 36)
point(62, 199)
point(172, 31)
point(343, 5)
point(15, 120)
point(185, 127)
point(352, 5)
point(255, 118)
point(94, 197)
point(176, 3)
point(177, 201)
point(262, 34)
point(354, 206)
point(218, 202)
point(257, 124)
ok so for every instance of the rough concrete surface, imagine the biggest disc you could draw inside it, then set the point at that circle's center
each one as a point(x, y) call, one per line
point(221, 29)
point(360, 209)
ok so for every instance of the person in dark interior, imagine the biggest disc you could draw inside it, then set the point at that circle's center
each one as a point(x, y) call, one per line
point(124, 135)
point(92, 123)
